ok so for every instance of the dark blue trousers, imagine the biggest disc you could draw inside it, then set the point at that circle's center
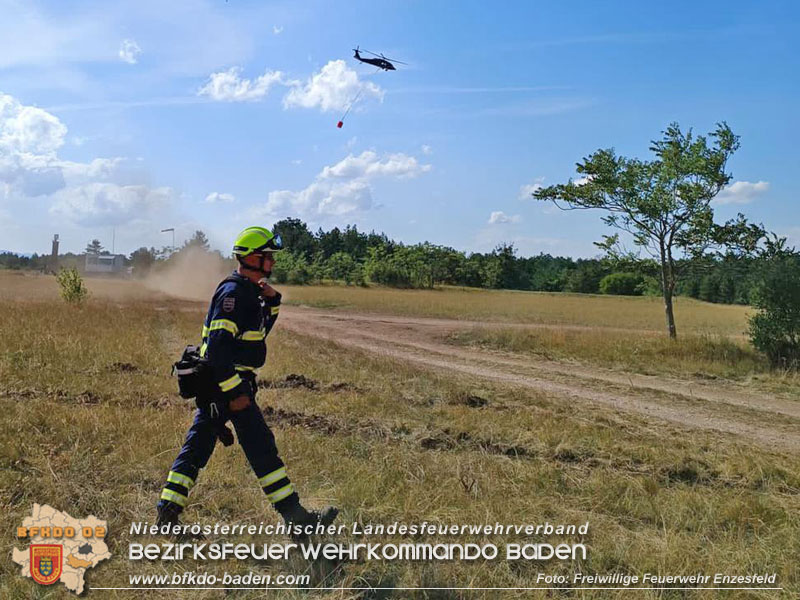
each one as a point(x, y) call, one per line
point(256, 440)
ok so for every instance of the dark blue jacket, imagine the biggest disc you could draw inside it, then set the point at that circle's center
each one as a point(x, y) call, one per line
point(234, 333)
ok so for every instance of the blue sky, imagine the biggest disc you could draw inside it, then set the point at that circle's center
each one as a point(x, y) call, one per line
point(126, 118)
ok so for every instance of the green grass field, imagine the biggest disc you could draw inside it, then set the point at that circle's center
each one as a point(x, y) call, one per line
point(92, 423)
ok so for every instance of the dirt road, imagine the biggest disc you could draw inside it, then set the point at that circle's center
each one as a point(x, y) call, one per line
point(768, 421)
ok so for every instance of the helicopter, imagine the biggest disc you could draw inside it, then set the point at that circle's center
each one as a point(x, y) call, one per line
point(379, 61)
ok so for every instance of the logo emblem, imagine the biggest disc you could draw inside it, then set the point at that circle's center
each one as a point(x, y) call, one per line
point(46, 563)
point(228, 303)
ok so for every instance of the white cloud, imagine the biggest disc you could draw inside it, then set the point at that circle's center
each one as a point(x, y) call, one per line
point(741, 192)
point(228, 86)
point(96, 204)
point(277, 30)
point(334, 87)
point(427, 150)
point(129, 51)
point(526, 191)
point(27, 129)
point(98, 168)
point(29, 164)
point(217, 197)
point(499, 217)
point(97, 192)
point(29, 139)
point(368, 164)
point(342, 189)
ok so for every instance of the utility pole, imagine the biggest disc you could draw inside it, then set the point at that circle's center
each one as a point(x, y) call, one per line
point(54, 254)
point(172, 229)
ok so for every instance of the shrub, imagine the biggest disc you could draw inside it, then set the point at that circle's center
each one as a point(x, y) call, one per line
point(622, 284)
point(73, 290)
point(775, 329)
point(292, 268)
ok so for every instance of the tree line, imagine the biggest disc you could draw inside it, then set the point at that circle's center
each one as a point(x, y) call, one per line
point(354, 257)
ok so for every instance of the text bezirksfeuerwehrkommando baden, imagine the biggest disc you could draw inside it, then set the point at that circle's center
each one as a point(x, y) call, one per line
point(358, 551)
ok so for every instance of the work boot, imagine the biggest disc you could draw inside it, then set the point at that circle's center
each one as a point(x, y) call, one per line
point(168, 515)
point(297, 515)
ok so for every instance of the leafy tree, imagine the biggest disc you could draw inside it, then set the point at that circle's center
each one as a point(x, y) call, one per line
point(509, 275)
point(296, 237)
point(291, 267)
point(709, 289)
point(585, 278)
point(330, 242)
point(775, 329)
point(142, 259)
point(388, 268)
point(95, 248)
point(198, 240)
point(664, 203)
point(354, 242)
point(341, 266)
point(622, 284)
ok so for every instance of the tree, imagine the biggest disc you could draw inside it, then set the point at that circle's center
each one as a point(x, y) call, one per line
point(329, 242)
point(95, 248)
point(198, 240)
point(296, 236)
point(775, 328)
point(71, 285)
point(585, 278)
point(142, 259)
point(622, 284)
point(664, 203)
point(342, 267)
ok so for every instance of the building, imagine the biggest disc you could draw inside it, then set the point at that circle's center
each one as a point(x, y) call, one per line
point(106, 263)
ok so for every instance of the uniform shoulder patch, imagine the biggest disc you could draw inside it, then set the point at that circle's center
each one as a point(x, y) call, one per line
point(228, 304)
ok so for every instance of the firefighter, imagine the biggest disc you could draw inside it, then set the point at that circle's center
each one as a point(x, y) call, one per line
point(242, 313)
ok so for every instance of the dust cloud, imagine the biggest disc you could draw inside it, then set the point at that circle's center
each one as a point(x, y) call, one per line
point(192, 274)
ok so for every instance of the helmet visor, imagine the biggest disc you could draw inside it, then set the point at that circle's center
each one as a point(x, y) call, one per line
point(276, 243)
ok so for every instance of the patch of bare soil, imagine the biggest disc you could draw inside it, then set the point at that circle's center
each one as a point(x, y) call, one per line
point(768, 421)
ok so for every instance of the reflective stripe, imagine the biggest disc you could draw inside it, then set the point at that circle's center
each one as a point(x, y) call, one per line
point(280, 494)
point(180, 479)
point(225, 324)
point(203, 349)
point(274, 310)
point(271, 478)
point(205, 332)
point(230, 383)
point(245, 368)
point(175, 497)
point(254, 336)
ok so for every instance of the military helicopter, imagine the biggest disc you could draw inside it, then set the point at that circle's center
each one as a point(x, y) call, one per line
point(379, 61)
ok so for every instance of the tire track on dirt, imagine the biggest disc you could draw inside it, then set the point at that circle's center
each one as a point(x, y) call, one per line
point(410, 340)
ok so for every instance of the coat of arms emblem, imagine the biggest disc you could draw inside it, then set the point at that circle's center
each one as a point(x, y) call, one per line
point(46, 562)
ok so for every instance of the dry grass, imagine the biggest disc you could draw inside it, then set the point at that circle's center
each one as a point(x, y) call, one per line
point(644, 313)
point(383, 441)
point(705, 357)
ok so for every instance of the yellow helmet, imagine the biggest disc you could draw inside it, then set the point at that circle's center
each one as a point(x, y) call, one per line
point(256, 239)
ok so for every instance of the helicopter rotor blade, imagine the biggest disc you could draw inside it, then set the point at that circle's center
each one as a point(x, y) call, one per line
point(392, 60)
